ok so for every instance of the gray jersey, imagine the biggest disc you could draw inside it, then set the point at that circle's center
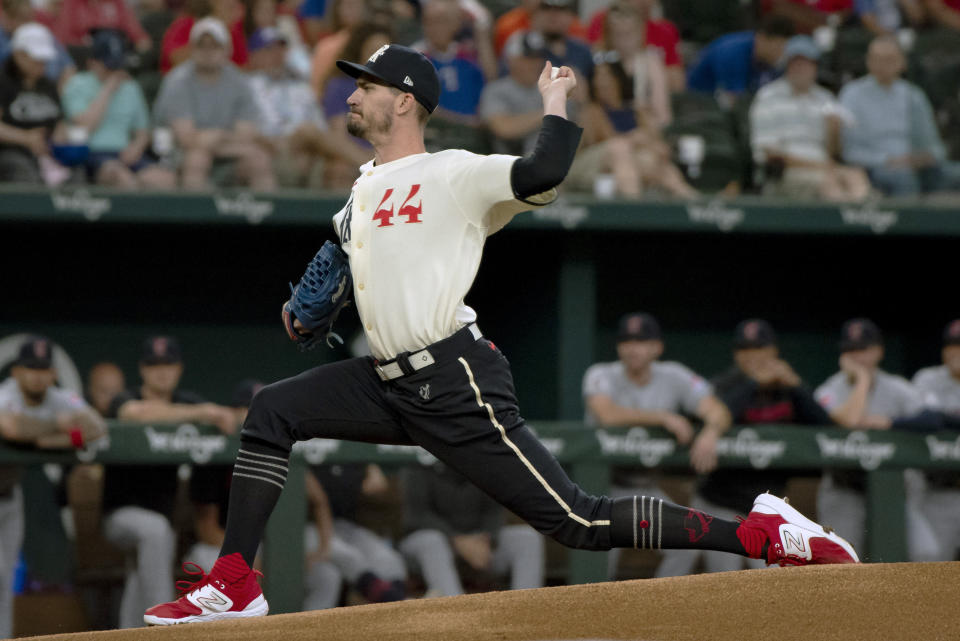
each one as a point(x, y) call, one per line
point(673, 387)
point(12, 402)
point(940, 388)
point(891, 396)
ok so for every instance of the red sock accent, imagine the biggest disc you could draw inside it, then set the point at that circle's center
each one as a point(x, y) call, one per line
point(752, 540)
point(231, 568)
point(644, 524)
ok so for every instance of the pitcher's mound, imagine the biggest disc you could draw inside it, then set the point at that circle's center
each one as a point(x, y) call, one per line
point(870, 602)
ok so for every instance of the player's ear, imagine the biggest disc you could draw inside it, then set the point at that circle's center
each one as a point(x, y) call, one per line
point(406, 103)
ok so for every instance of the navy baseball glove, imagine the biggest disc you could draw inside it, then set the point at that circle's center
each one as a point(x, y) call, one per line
point(316, 301)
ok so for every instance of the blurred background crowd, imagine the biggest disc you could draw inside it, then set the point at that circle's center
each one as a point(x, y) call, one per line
point(839, 100)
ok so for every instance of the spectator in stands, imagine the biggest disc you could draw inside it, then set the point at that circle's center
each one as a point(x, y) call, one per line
point(941, 502)
point(624, 43)
point(654, 33)
point(640, 390)
point(741, 62)
point(210, 490)
point(551, 20)
point(18, 12)
point(620, 139)
point(461, 79)
point(945, 13)
point(518, 19)
point(30, 113)
point(887, 16)
point(795, 133)
point(33, 411)
point(209, 105)
point(104, 381)
point(862, 396)
point(110, 106)
point(291, 124)
point(512, 107)
point(894, 135)
point(177, 41)
point(137, 499)
point(263, 14)
point(340, 549)
point(364, 41)
point(446, 517)
point(78, 18)
point(807, 15)
point(760, 388)
point(344, 17)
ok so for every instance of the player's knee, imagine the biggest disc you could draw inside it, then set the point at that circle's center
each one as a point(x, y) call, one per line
point(264, 420)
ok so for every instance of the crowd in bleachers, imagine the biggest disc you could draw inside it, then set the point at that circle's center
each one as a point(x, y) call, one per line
point(677, 98)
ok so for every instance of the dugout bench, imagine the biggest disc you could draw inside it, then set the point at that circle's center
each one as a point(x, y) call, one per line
point(586, 453)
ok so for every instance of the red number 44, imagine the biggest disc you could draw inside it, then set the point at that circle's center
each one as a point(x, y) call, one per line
point(383, 215)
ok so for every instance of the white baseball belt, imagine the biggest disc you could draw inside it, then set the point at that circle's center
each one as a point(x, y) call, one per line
point(418, 360)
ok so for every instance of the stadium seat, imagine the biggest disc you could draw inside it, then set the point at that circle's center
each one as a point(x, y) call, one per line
point(699, 115)
point(935, 64)
point(847, 60)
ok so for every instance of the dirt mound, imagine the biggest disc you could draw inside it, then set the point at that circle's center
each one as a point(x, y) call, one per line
point(878, 602)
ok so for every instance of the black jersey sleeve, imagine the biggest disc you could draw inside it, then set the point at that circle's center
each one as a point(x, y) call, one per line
point(550, 161)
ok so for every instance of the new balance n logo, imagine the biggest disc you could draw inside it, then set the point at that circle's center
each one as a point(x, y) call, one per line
point(794, 543)
point(209, 598)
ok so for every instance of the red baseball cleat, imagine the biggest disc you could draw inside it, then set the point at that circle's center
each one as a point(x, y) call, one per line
point(793, 538)
point(230, 591)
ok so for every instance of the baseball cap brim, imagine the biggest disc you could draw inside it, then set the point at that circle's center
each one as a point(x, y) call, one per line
point(354, 70)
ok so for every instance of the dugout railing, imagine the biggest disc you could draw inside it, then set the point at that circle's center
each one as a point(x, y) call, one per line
point(587, 453)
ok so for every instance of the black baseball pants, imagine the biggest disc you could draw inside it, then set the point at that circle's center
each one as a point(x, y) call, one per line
point(462, 409)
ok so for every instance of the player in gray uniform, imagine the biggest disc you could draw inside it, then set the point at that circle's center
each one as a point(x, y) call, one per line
point(33, 411)
point(413, 231)
point(941, 504)
point(639, 390)
point(861, 396)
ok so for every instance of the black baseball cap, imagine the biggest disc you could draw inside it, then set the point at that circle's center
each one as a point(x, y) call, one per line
point(161, 350)
point(638, 326)
point(244, 392)
point(36, 353)
point(951, 333)
point(403, 68)
point(859, 333)
point(109, 47)
point(753, 333)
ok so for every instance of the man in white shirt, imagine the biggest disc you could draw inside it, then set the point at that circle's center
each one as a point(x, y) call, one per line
point(795, 132)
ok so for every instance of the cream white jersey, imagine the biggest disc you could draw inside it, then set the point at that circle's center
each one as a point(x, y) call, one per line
point(414, 230)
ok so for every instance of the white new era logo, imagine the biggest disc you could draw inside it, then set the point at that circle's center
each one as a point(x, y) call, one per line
point(407, 81)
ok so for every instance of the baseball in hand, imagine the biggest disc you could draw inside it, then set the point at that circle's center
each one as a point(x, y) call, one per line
point(554, 72)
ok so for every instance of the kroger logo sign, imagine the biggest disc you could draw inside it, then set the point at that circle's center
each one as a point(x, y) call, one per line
point(748, 445)
point(186, 439)
point(856, 447)
point(316, 450)
point(638, 443)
